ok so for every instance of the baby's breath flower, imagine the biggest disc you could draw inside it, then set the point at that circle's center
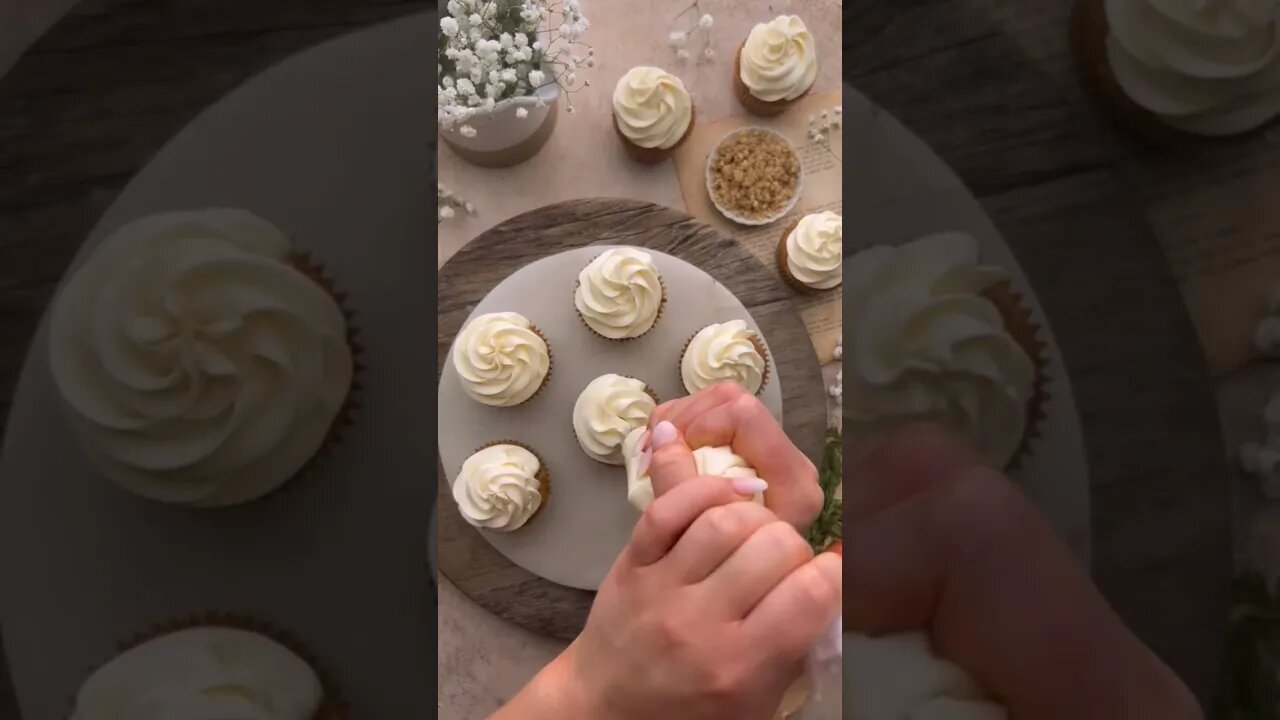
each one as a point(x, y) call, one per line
point(677, 39)
point(709, 54)
point(467, 131)
point(446, 212)
point(522, 113)
point(705, 21)
point(449, 27)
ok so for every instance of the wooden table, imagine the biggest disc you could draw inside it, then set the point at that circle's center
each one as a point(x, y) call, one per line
point(982, 81)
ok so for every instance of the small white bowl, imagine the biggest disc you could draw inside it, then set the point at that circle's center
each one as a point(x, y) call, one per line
point(711, 158)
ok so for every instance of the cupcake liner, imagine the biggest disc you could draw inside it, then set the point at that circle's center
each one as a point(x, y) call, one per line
point(753, 104)
point(652, 156)
point(662, 306)
point(551, 364)
point(785, 271)
point(543, 476)
point(333, 705)
point(1024, 331)
point(756, 340)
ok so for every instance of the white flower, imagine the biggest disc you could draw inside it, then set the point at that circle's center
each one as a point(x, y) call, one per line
point(569, 109)
point(495, 77)
point(677, 39)
point(466, 88)
point(682, 54)
point(709, 54)
point(455, 7)
point(475, 19)
point(538, 45)
point(509, 75)
point(521, 40)
point(493, 91)
point(573, 6)
point(448, 81)
point(572, 78)
point(705, 21)
point(506, 41)
point(470, 207)
point(529, 16)
point(449, 27)
point(446, 212)
point(536, 77)
point(467, 131)
point(522, 113)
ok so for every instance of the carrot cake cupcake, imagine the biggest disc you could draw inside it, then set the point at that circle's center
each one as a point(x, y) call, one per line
point(938, 336)
point(810, 251)
point(619, 294)
point(724, 351)
point(203, 361)
point(501, 487)
point(607, 409)
point(501, 358)
point(775, 66)
point(652, 113)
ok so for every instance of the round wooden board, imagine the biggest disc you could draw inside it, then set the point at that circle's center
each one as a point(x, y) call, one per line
point(472, 564)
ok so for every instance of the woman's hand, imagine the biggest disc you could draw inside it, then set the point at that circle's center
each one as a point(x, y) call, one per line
point(726, 414)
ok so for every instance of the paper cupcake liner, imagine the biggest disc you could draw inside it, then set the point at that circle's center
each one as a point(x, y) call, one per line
point(551, 364)
point(647, 391)
point(756, 340)
point(785, 271)
point(662, 306)
point(1024, 331)
point(543, 476)
point(652, 156)
point(333, 705)
point(753, 104)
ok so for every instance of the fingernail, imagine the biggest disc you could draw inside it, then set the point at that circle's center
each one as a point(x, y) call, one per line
point(664, 433)
point(643, 466)
point(643, 443)
point(749, 485)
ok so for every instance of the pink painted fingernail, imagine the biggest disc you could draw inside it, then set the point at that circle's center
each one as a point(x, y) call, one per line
point(749, 485)
point(664, 433)
point(643, 443)
point(643, 466)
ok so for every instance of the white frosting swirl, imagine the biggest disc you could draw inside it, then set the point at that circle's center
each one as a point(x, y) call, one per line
point(202, 673)
point(1209, 67)
point(778, 61)
point(619, 294)
point(899, 676)
point(814, 250)
point(652, 107)
point(723, 351)
point(500, 359)
point(498, 487)
point(928, 345)
point(200, 367)
point(608, 408)
point(719, 461)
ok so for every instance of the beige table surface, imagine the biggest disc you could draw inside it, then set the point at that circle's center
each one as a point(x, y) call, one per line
point(484, 660)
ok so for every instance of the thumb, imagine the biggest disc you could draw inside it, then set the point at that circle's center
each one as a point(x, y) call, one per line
point(672, 461)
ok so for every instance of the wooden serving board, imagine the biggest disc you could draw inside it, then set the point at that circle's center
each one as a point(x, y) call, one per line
point(472, 564)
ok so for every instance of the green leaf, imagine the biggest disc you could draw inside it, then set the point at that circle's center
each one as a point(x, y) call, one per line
point(828, 525)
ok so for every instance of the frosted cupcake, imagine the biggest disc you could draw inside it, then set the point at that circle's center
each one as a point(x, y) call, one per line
point(1191, 67)
point(619, 294)
point(728, 351)
point(203, 361)
point(810, 251)
point(652, 113)
point(607, 409)
point(501, 359)
point(207, 671)
point(938, 336)
point(717, 461)
point(501, 487)
point(775, 66)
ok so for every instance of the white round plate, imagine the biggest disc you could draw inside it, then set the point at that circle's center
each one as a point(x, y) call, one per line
point(711, 157)
point(575, 537)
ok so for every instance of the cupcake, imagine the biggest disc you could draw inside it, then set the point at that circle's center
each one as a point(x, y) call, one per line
point(202, 360)
point(619, 294)
point(939, 337)
point(810, 250)
point(222, 668)
point(1184, 68)
point(652, 113)
point(719, 461)
point(775, 66)
point(754, 176)
point(501, 486)
point(502, 359)
point(607, 409)
point(728, 351)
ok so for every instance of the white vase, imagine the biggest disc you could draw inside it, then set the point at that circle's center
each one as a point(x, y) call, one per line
point(503, 139)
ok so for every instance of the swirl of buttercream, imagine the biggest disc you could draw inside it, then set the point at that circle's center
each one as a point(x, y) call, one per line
point(720, 352)
point(779, 60)
point(498, 487)
point(200, 367)
point(608, 408)
point(652, 107)
point(927, 344)
point(500, 358)
point(619, 293)
point(202, 673)
point(1210, 67)
point(815, 248)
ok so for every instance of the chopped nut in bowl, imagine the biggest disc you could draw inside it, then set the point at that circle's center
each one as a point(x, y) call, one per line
point(753, 176)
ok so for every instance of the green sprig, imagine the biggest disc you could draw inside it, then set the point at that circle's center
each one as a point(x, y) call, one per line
point(829, 524)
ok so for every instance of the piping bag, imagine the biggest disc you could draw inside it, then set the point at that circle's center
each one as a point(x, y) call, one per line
point(823, 664)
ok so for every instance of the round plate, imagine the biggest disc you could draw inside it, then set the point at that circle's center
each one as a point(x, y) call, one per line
point(711, 158)
point(574, 538)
